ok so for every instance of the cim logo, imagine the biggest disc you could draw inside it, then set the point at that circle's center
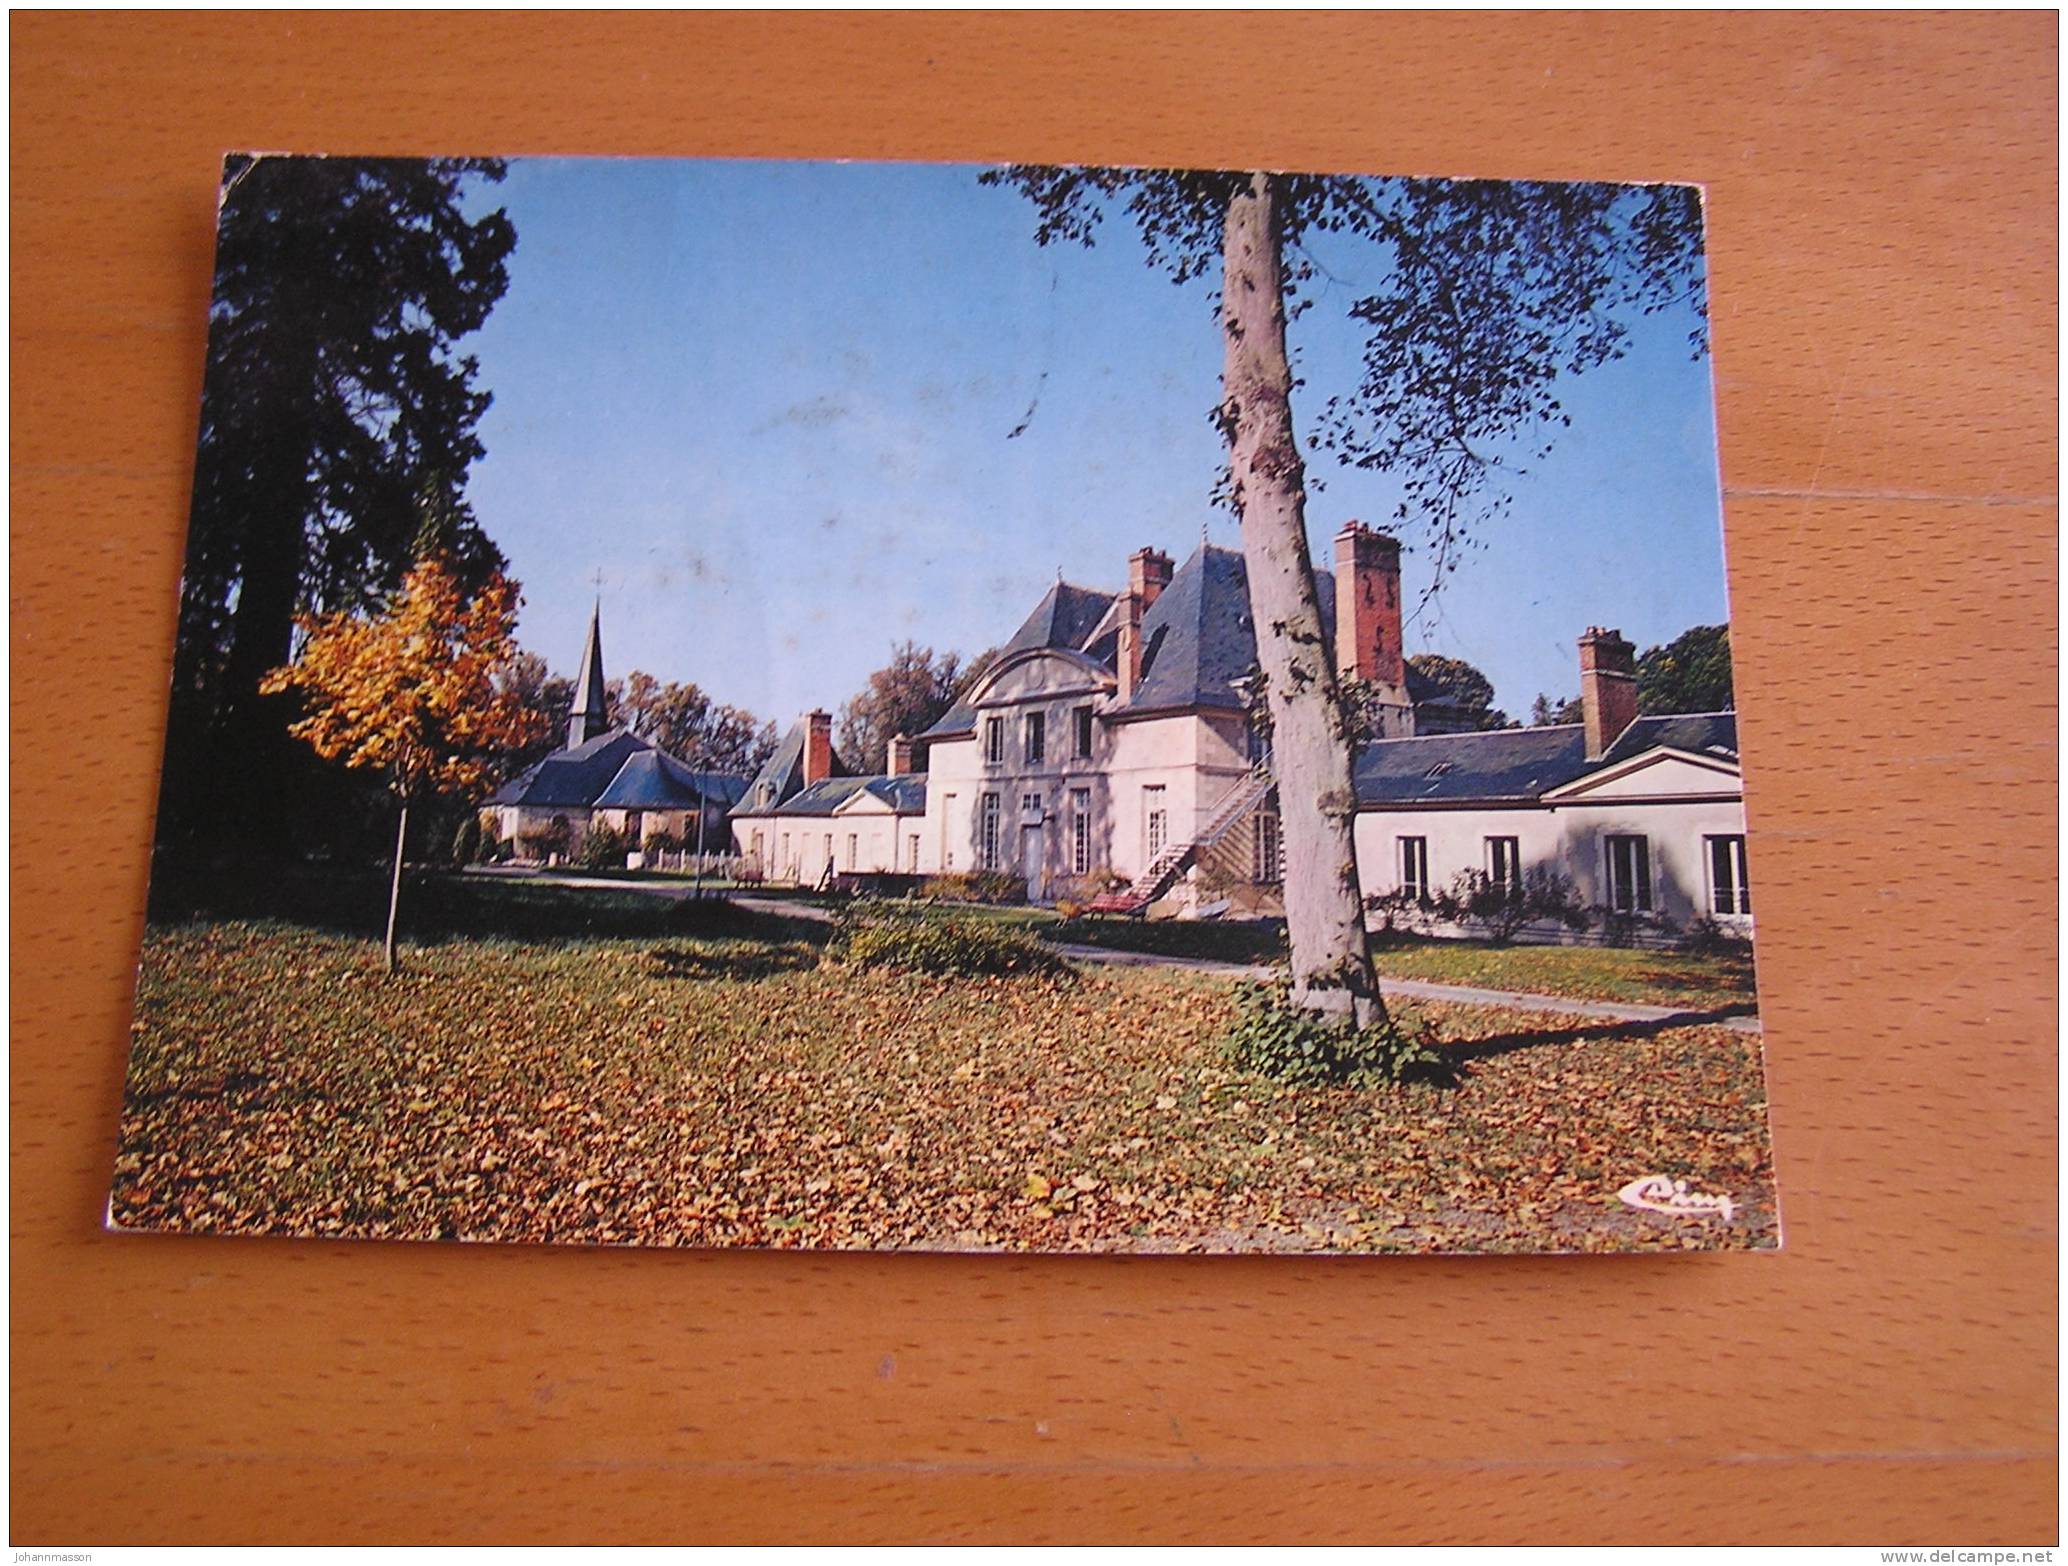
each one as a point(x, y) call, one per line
point(1657, 1193)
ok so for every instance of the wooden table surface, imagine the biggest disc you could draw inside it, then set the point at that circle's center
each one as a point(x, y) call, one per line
point(1882, 198)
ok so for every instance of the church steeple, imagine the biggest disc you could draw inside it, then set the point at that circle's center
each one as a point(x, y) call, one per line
point(591, 715)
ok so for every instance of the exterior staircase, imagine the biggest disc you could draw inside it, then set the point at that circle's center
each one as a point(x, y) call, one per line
point(1176, 858)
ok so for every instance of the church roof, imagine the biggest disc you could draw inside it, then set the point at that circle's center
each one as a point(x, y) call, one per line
point(619, 770)
point(572, 777)
point(591, 714)
point(655, 780)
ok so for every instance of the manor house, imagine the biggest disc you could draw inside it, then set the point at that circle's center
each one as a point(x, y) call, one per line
point(1107, 754)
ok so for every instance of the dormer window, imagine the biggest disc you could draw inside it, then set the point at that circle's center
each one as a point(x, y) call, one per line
point(1083, 721)
point(994, 741)
point(1036, 738)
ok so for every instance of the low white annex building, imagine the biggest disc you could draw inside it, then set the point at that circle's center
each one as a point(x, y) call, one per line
point(1109, 747)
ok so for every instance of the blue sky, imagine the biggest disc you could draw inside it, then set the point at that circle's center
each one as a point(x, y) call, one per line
point(773, 405)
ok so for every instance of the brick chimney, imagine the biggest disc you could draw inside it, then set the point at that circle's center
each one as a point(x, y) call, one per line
point(818, 746)
point(1608, 688)
point(1148, 574)
point(1368, 607)
point(1127, 656)
point(899, 757)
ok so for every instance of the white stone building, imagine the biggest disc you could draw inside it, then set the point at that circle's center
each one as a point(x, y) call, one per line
point(1109, 747)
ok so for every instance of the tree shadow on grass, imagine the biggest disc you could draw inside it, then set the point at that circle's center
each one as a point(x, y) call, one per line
point(745, 961)
point(441, 906)
point(1465, 1050)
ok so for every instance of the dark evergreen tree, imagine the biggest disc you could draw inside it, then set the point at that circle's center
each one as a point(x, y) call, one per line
point(338, 424)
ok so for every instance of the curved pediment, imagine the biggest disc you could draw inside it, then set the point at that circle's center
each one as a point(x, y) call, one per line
point(1039, 672)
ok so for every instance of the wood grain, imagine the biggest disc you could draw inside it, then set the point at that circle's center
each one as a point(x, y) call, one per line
point(1882, 195)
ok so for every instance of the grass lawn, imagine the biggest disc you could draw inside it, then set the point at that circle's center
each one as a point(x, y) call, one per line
point(713, 1084)
point(1581, 972)
point(1584, 972)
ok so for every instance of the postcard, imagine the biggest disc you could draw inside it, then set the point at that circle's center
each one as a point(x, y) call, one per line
point(898, 707)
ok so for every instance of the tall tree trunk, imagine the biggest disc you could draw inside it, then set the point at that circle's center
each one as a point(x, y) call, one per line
point(1311, 752)
point(395, 888)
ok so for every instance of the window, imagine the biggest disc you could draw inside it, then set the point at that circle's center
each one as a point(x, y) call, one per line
point(1080, 829)
point(1155, 822)
point(1414, 868)
point(994, 741)
point(987, 835)
point(827, 863)
point(1035, 737)
point(1629, 874)
point(1030, 806)
point(1268, 867)
point(947, 832)
point(755, 848)
point(851, 861)
point(1504, 864)
point(912, 849)
point(1083, 720)
point(1729, 892)
point(789, 864)
point(1441, 769)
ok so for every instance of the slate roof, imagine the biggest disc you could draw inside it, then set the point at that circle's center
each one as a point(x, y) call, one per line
point(1519, 765)
point(1197, 638)
point(655, 780)
point(617, 771)
point(1714, 733)
point(1066, 617)
point(905, 794)
point(572, 777)
point(782, 775)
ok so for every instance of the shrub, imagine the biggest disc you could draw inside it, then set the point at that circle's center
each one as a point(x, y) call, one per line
point(869, 935)
point(1276, 1039)
point(1633, 929)
point(1546, 896)
point(466, 842)
point(603, 848)
point(1399, 912)
point(976, 886)
point(1708, 938)
point(665, 842)
point(542, 842)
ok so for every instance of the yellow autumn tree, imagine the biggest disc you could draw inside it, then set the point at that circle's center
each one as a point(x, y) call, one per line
point(412, 693)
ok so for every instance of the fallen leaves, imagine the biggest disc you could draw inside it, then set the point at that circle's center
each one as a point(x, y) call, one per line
point(525, 1092)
